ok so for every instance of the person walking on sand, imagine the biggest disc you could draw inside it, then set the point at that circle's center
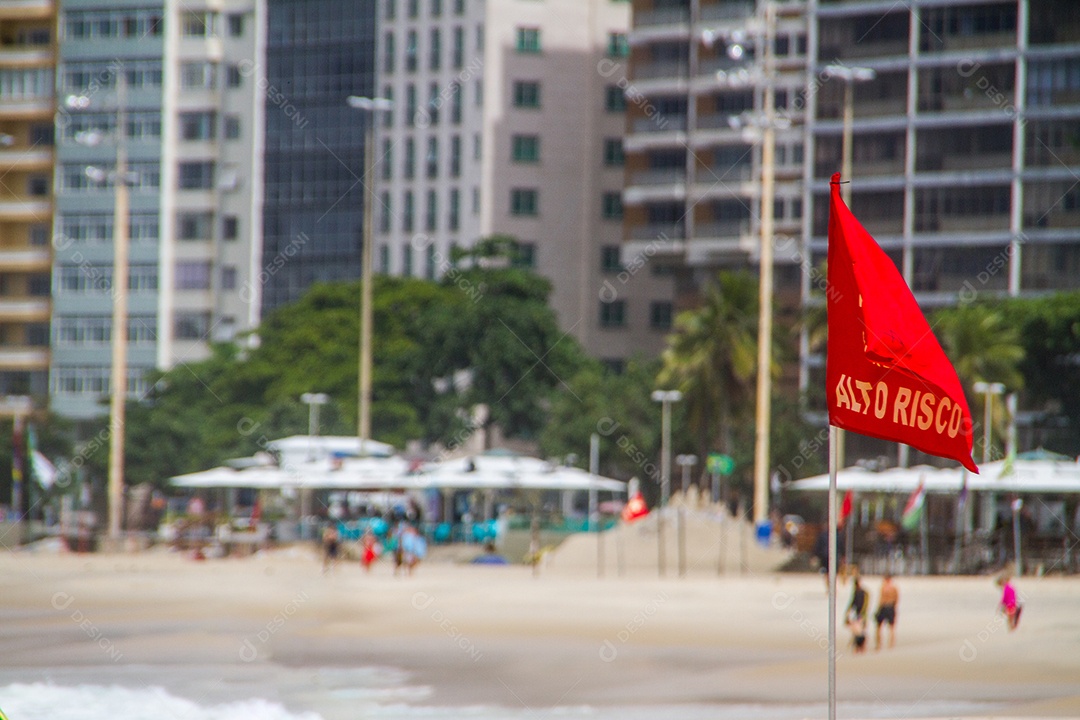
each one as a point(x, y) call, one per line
point(886, 612)
point(856, 615)
point(1009, 604)
point(331, 542)
point(370, 553)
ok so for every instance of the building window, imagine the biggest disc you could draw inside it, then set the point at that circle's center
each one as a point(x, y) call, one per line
point(610, 259)
point(459, 7)
point(388, 53)
point(611, 203)
point(525, 255)
point(388, 115)
point(410, 105)
point(194, 225)
point(42, 134)
point(430, 265)
point(391, 9)
point(407, 212)
point(435, 59)
point(39, 235)
point(526, 94)
point(431, 217)
point(198, 75)
point(614, 99)
point(387, 159)
point(454, 220)
point(456, 93)
point(613, 314)
point(617, 45)
point(434, 101)
point(411, 51)
point(408, 169)
point(407, 260)
point(198, 24)
point(37, 185)
point(196, 175)
point(233, 78)
point(455, 156)
point(660, 315)
point(385, 212)
point(191, 325)
point(432, 158)
point(436, 8)
point(192, 276)
point(524, 202)
point(228, 277)
point(414, 8)
point(39, 285)
point(613, 152)
point(232, 127)
point(197, 125)
point(528, 40)
point(384, 259)
point(236, 25)
point(230, 227)
point(458, 48)
point(525, 148)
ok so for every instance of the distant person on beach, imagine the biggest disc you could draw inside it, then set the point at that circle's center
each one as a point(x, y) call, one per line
point(1009, 604)
point(490, 556)
point(856, 615)
point(331, 542)
point(886, 612)
point(413, 548)
point(370, 552)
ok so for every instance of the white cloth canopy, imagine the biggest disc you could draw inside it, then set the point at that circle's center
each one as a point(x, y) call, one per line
point(494, 471)
point(1026, 476)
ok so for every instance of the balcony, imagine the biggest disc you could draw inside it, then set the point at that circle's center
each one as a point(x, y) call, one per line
point(25, 159)
point(722, 229)
point(661, 231)
point(39, 108)
point(25, 260)
point(24, 309)
point(725, 173)
point(668, 176)
point(23, 358)
point(25, 209)
point(662, 25)
point(23, 9)
point(730, 11)
point(26, 56)
point(661, 16)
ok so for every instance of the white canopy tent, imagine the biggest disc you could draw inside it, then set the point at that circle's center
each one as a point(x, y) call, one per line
point(1025, 476)
point(489, 472)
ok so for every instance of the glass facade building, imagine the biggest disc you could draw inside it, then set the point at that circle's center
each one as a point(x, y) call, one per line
point(318, 53)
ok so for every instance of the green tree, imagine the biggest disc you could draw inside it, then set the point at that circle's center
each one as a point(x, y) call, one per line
point(712, 358)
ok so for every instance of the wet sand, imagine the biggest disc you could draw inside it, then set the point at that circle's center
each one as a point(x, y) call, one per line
point(274, 626)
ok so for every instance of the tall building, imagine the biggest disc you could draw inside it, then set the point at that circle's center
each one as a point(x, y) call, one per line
point(699, 73)
point(966, 144)
point(27, 105)
point(508, 120)
point(174, 83)
point(318, 53)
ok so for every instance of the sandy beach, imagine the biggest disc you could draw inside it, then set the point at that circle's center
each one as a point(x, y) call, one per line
point(461, 641)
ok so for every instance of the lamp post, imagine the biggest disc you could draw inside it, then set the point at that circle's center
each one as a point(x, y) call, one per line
point(850, 76)
point(370, 107)
point(665, 398)
point(121, 241)
point(988, 390)
point(686, 462)
point(313, 401)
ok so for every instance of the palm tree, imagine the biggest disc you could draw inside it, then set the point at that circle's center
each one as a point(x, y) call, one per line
point(712, 358)
point(981, 345)
point(983, 348)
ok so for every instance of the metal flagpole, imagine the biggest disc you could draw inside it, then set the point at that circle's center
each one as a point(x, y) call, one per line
point(833, 465)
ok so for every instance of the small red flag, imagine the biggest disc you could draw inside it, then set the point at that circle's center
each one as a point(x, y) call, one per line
point(845, 509)
point(886, 374)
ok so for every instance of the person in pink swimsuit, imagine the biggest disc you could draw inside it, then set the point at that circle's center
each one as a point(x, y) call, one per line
point(1009, 604)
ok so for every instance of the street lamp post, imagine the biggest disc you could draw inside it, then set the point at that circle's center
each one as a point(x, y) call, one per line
point(121, 270)
point(370, 107)
point(314, 401)
point(665, 398)
point(988, 390)
point(850, 76)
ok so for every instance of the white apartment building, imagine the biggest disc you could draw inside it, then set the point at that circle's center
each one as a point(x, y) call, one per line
point(182, 74)
point(507, 120)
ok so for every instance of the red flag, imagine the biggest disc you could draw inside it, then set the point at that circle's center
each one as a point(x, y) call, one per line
point(845, 509)
point(635, 508)
point(886, 375)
